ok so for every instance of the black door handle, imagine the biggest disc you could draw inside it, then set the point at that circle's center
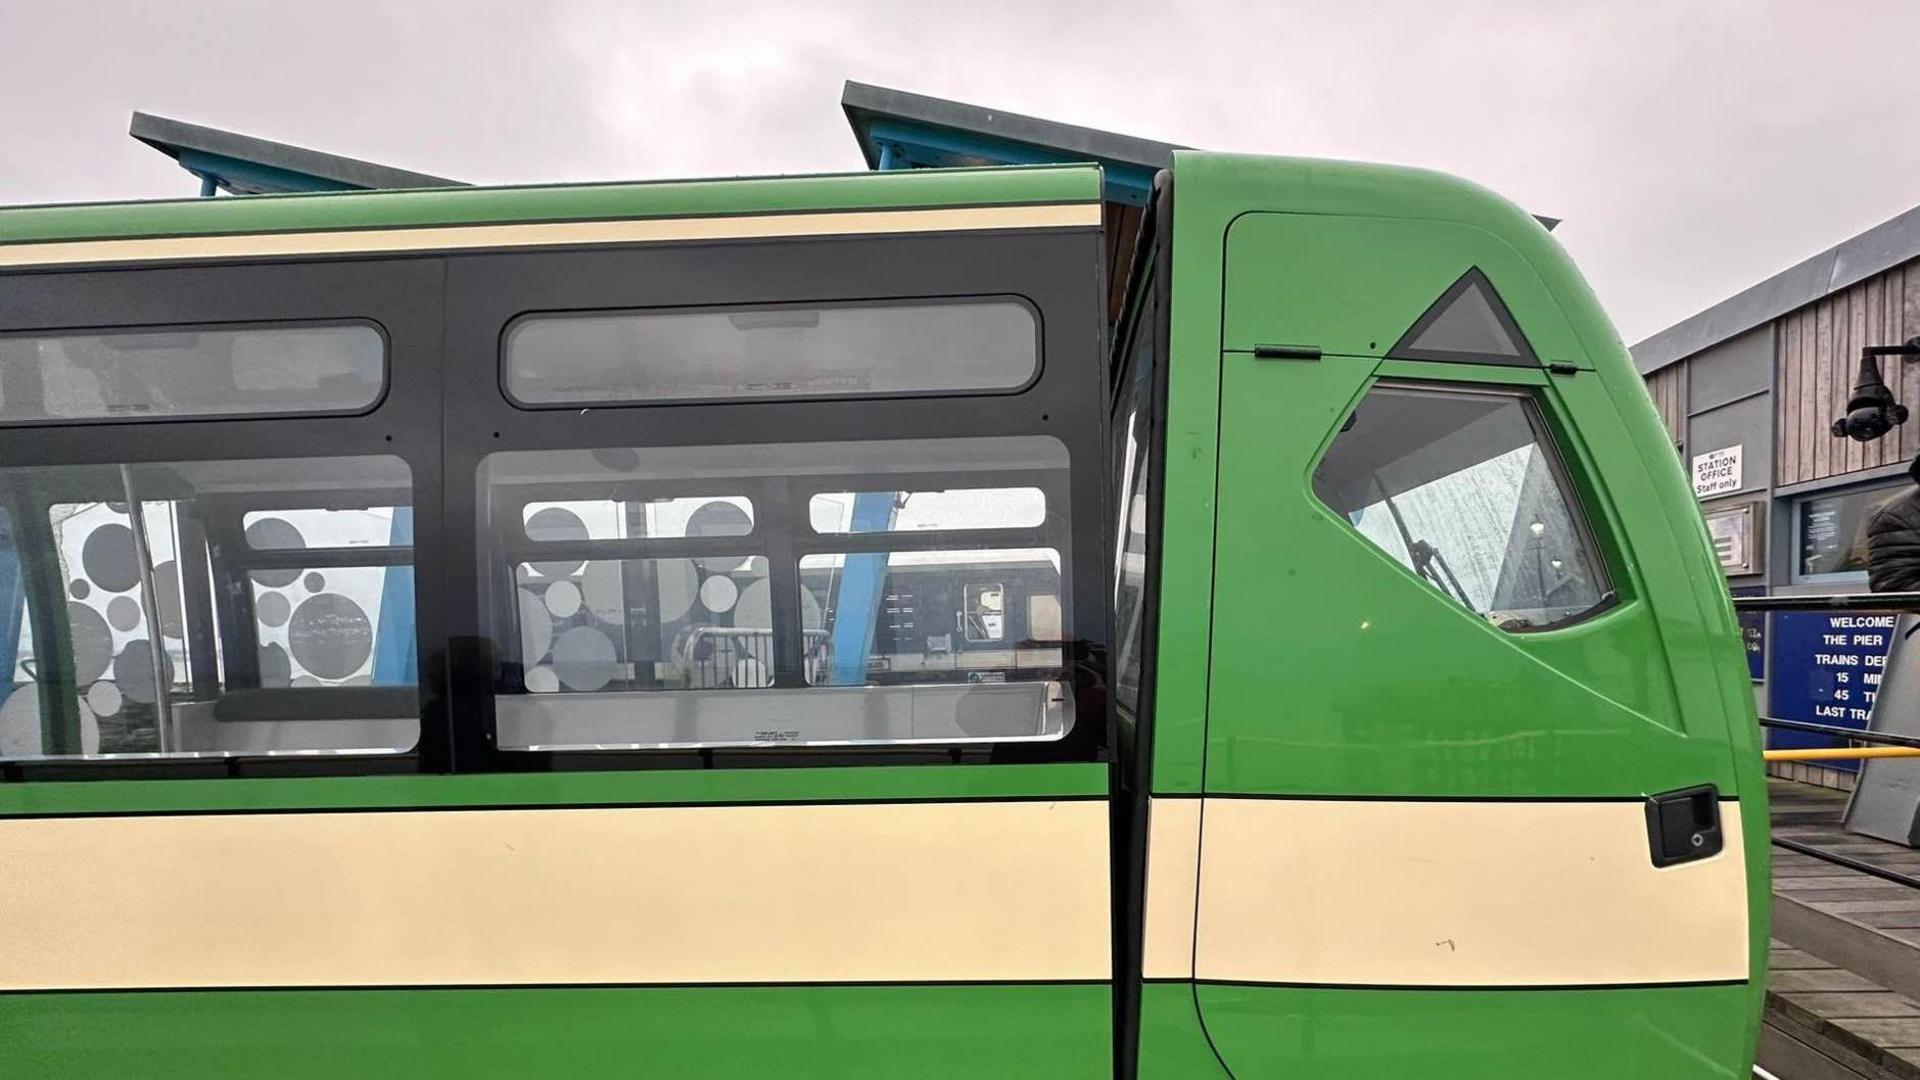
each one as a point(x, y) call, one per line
point(1683, 826)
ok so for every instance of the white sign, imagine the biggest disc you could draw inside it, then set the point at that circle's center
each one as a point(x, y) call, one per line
point(1732, 532)
point(1716, 472)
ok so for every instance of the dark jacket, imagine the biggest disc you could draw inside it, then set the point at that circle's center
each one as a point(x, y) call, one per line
point(1893, 542)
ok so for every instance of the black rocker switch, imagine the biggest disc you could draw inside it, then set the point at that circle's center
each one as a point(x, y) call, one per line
point(1684, 825)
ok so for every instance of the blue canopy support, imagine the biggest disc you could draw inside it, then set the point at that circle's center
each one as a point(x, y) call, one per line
point(856, 603)
point(899, 130)
point(245, 165)
point(13, 606)
point(396, 657)
point(904, 145)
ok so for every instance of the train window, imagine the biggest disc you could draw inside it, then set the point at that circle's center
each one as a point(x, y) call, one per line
point(730, 619)
point(565, 608)
point(910, 632)
point(784, 351)
point(619, 519)
point(908, 511)
point(1830, 532)
point(212, 607)
point(1463, 488)
point(287, 529)
point(190, 372)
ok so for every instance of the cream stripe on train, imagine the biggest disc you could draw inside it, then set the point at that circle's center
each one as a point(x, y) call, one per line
point(547, 234)
point(1442, 893)
point(903, 892)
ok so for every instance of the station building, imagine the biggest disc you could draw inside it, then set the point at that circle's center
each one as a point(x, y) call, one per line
point(1749, 390)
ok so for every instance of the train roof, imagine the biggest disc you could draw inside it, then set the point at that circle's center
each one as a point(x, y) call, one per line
point(325, 211)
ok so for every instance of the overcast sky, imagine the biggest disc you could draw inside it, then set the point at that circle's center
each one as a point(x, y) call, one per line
point(1693, 148)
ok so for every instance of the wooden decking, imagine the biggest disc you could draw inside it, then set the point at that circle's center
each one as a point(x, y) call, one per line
point(1843, 989)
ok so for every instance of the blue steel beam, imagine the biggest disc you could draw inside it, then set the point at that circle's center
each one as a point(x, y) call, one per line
point(863, 578)
point(13, 606)
point(903, 145)
point(396, 660)
point(251, 175)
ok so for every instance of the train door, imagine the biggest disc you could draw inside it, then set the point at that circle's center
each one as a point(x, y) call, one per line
point(1468, 792)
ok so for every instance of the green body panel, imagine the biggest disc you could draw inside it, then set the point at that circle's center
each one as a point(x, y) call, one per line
point(1040, 1031)
point(1670, 1034)
point(1297, 659)
point(1173, 1044)
point(1351, 285)
point(1410, 694)
point(568, 202)
point(651, 786)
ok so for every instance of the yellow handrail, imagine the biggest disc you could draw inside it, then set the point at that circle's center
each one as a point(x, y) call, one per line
point(1841, 753)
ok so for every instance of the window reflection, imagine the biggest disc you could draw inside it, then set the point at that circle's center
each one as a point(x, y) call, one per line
point(902, 591)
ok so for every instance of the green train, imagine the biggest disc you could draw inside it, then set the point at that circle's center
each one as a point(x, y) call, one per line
point(782, 628)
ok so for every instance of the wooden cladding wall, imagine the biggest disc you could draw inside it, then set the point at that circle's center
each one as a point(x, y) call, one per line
point(1817, 351)
point(1669, 398)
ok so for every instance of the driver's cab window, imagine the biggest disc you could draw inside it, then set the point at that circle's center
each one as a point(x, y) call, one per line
point(1464, 489)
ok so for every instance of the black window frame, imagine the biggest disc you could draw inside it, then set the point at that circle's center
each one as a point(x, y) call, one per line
point(401, 297)
point(1150, 310)
point(1046, 269)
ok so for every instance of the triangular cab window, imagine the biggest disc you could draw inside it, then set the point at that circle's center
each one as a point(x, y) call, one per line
point(1468, 324)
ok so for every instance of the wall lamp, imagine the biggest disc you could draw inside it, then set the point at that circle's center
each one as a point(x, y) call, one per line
point(1872, 411)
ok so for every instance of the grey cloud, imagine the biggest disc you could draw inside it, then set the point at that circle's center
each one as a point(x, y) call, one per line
point(1692, 149)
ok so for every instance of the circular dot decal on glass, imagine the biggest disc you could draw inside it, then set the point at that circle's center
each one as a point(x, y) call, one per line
point(562, 599)
point(556, 523)
point(166, 595)
point(306, 682)
point(20, 724)
point(583, 658)
point(275, 534)
point(330, 636)
point(79, 588)
point(536, 627)
point(755, 609)
point(315, 581)
point(600, 591)
point(718, 518)
point(108, 558)
point(272, 609)
point(718, 593)
point(104, 698)
point(133, 671)
point(92, 642)
point(542, 680)
point(276, 667)
point(678, 582)
point(123, 613)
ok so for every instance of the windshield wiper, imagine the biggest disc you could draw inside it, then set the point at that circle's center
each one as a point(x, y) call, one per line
point(1430, 564)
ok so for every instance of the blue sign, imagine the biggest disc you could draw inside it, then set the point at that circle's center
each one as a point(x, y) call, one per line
point(1826, 670)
